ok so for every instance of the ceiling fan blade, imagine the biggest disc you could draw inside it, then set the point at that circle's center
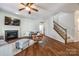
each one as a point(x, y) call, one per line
point(34, 9)
point(29, 4)
point(23, 4)
point(21, 9)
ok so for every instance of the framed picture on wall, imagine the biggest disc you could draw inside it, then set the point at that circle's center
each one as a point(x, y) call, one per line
point(10, 21)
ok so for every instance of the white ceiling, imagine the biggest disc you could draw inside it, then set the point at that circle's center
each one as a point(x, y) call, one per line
point(45, 9)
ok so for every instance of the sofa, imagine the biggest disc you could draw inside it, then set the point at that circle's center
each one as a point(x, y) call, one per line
point(11, 49)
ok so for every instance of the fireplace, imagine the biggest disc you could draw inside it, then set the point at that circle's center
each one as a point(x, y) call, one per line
point(11, 34)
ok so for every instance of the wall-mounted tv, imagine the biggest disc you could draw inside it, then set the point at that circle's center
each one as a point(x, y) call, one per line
point(10, 21)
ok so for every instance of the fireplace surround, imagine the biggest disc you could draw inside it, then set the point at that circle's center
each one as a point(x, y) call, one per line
point(11, 34)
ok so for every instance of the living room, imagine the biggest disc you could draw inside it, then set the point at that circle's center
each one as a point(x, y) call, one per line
point(59, 23)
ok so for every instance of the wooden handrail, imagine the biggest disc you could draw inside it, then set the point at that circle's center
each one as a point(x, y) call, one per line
point(61, 31)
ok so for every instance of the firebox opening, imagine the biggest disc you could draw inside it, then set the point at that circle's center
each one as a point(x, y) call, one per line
point(11, 34)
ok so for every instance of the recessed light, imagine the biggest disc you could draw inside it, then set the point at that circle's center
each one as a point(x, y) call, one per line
point(17, 13)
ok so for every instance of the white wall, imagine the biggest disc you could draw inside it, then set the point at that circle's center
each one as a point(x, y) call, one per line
point(50, 32)
point(28, 25)
point(64, 19)
point(67, 21)
point(6, 27)
point(76, 14)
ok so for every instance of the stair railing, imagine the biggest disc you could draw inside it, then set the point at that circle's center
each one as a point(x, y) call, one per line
point(61, 31)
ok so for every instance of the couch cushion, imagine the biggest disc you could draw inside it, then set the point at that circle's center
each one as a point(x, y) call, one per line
point(3, 42)
point(22, 43)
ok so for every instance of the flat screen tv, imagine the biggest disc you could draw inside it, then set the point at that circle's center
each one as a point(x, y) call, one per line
point(10, 21)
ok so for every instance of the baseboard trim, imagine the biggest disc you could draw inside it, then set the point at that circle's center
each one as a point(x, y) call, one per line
point(55, 40)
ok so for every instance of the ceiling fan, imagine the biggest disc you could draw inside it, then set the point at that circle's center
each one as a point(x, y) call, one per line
point(28, 6)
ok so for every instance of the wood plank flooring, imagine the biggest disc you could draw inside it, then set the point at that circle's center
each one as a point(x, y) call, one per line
point(51, 48)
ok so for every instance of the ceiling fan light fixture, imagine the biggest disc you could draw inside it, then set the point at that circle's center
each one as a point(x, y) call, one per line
point(27, 8)
point(30, 7)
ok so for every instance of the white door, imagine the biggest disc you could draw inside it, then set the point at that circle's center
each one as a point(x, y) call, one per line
point(41, 28)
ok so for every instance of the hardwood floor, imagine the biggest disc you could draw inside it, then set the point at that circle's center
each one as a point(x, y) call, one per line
point(51, 48)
